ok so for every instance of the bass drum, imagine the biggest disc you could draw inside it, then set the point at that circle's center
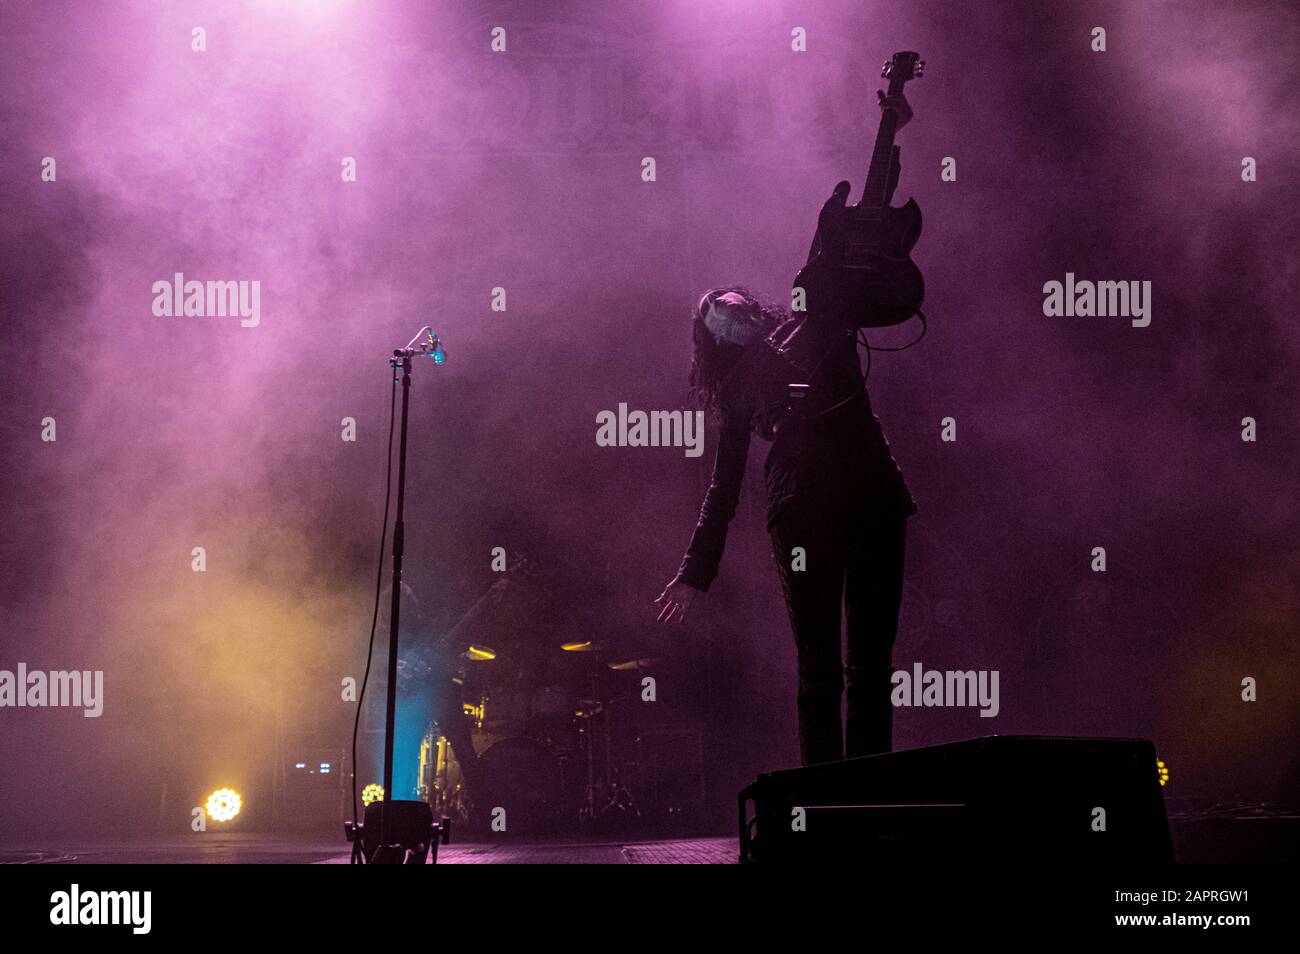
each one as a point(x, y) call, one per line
point(520, 777)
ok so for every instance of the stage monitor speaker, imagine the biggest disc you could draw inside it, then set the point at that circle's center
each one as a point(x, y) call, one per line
point(413, 835)
point(1030, 798)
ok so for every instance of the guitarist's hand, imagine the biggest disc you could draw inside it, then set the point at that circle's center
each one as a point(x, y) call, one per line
point(899, 105)
point(830, 219)
point(675, 600)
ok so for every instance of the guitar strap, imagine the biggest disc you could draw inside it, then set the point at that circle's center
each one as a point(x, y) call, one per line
point(804, 354)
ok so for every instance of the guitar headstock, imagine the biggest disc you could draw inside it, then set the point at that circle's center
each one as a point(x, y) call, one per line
point(903, 66)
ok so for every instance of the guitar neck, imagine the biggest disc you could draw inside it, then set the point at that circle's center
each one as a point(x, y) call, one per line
point(874, 193)
point(453, 635)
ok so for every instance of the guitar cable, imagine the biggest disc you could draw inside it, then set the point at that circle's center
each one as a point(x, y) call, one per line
point(862, 339)
point(357, 855)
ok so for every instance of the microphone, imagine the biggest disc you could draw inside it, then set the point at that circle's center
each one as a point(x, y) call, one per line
point(434, 348)
point(431, 346)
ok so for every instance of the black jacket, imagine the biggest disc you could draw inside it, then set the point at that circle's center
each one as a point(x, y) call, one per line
point(826, 446)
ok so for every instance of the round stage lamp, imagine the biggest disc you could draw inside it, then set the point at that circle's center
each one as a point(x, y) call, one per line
point(374, 792)
point(223, 804)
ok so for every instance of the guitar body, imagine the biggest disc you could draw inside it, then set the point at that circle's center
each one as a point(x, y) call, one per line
point(861, 271)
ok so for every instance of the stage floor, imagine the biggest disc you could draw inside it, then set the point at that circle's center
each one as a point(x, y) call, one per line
point(269, 849)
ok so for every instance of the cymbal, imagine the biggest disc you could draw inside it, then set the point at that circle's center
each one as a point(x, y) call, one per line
point(630, 665)
point(583, 646)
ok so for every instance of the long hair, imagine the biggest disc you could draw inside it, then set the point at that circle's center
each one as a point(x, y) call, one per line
point(711, 361)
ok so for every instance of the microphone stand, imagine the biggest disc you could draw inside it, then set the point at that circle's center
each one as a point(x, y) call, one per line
point(393, 849)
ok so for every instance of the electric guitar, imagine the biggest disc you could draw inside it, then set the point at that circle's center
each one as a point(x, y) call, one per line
point(860, 268)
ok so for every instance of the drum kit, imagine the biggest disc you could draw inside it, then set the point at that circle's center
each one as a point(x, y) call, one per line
point(550, 728)
point(559, 736)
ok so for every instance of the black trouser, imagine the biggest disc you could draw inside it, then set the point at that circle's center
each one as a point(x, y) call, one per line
point(854, 558)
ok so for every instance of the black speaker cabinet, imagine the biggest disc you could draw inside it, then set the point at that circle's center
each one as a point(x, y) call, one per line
point(1040, 798)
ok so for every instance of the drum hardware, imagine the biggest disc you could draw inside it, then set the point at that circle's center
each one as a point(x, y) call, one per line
point(604, 793)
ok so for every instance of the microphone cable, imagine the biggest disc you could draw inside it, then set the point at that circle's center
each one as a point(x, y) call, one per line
point(374, 619)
